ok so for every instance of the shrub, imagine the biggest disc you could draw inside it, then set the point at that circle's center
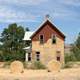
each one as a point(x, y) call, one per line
point(69, 57)
point(13, 56)
point(34, 65)
point(38, 65)
point(68, 65)
point(25, 64)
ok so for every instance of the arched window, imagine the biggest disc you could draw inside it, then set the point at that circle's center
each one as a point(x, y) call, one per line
point(41, 39)
point(53, 39)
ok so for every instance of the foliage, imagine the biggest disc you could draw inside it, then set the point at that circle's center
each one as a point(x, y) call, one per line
point(72, 64)
point(68, 65)
point(76, 48)
point(39, 65)
point(14, 56)
point(11, 38)
point(34, 65)
point(69, 57)
point(27, 29)
point(76, 52)
point(78, 41)
point(74, 56)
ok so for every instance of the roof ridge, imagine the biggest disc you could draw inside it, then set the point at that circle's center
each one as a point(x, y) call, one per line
point(51, 24)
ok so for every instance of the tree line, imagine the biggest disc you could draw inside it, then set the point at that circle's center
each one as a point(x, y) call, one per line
point(12, 43)
point(74, 54)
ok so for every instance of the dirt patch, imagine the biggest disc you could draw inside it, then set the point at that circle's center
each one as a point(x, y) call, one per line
point(65, 74)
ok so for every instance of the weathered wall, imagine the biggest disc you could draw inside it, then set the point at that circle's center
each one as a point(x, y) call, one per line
point(48, 50)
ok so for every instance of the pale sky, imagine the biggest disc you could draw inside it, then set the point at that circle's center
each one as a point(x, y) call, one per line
point(65, 14)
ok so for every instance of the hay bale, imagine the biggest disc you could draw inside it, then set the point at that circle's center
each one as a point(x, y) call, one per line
point(16, 67)
point(54, 66)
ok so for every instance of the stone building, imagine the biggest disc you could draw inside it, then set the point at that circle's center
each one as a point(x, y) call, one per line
point(47, 43)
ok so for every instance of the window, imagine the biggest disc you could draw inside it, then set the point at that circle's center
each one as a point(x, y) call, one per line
point(38, 56)
point(29, 56)
point(58, 56)
point(53, 39)
point(41, 39)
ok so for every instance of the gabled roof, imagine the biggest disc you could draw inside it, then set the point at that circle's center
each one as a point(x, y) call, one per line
point(27, 35)
point(50, 23)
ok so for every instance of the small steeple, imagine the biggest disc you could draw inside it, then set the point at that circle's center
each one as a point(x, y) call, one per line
point(47, 16)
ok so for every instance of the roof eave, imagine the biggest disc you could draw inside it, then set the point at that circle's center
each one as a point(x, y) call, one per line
point(52, 25)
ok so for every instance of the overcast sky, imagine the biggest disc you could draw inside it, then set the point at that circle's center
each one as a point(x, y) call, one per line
point(65, 14)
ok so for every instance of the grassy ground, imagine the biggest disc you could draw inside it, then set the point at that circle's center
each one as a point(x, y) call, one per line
point(65, 74)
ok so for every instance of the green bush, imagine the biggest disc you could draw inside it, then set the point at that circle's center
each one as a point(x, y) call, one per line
point(38, 65)
point(68, 65)
point(25, 64)
point(13, 56)
point(69, 57)
point(34, 65)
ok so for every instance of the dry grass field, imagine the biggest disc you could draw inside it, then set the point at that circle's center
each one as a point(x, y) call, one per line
point(65, 74)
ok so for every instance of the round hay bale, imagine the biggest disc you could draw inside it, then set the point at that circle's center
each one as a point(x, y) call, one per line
point(16, 67)
point(54, 66)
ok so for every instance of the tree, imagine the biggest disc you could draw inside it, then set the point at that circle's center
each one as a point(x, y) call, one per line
point(78, 41)
point(11, 38)
point(27, 29)
point(69, 57)
point(76, 48)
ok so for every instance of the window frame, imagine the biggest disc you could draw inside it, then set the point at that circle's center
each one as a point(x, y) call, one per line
point(58, 56)
point(29, 57)
point(41, 42)
point(53, 36)
point(37, 56)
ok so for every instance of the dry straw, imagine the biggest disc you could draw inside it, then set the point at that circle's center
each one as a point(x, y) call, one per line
point(54, 66)
point(16, 67)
